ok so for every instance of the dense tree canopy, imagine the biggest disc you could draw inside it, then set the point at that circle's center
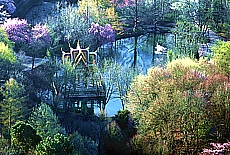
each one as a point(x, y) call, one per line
point(170, 105)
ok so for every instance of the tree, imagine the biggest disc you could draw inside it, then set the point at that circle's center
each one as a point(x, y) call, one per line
point(187, 39)
point(7, 61)
point(18, 31)
point(167, 108)
point(103, 34)
point(40, 42)
point(115, 141)
point(33, 40)
point(83, 145)
point(24, 137)
point(7, 55)
point(45, 121)
point(123, 79)
point(12, 106)
point(69, 26)
point(58, 145)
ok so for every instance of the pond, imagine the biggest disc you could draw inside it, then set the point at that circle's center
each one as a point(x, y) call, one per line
point(122, 52)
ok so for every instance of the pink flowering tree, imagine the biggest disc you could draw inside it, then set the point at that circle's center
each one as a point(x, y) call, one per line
point(102, 34)
point(18, 31)
point(39, 42)
point(34, 41)
point(124, 3)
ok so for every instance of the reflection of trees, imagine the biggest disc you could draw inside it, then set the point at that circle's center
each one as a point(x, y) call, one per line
point(117, 80)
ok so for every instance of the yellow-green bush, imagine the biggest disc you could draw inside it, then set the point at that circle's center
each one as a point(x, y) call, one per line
point(6, 53)
point(172, 108)
point(222, 56)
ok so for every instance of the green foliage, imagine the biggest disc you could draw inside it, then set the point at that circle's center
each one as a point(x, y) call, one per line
point(175, 107)
point(68, 25)
point(122, 118)
point(115, 141)
point(4, 38)
point(24, 137)
point(45, 121)
point(6, 53)
point(180, 66)
point(3, 145)
point(58, 145)
point(222, 56)
point(12, 106)
point(142, 145)
point(83, 145)
point(7, 60)
point(218, 14)
point(126, 124)
point(187, 38)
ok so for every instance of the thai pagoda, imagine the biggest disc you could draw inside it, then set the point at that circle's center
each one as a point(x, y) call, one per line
point(88, 90)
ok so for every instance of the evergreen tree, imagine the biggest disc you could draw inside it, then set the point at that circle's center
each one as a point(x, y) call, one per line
point(45, 121)
point(12, 109)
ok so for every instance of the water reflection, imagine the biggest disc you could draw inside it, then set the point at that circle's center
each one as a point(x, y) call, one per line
point(123, 53)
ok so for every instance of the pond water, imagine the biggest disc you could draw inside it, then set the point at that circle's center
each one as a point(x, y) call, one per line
point(122, 52)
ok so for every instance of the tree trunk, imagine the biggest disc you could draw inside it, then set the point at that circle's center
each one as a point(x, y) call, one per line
point(33, 62)
point(135, 52)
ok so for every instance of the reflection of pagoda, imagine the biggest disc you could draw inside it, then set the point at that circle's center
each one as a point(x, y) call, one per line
point(80, 57)
point(87, 91)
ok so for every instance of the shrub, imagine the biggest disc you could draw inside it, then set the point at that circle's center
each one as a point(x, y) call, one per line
point(222, 56)
point(6, 53)
point(58, 145)
point(4, 38)
point(83, 145)
point(24, 137)
point(115, 140)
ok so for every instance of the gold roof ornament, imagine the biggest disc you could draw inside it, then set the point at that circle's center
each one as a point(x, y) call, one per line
point(79, 56)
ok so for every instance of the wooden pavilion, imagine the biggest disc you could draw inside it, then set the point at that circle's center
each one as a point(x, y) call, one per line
point(89, 90)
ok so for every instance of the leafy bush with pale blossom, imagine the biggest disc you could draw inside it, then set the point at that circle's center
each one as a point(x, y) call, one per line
point(103, 34)
point(217, 148)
